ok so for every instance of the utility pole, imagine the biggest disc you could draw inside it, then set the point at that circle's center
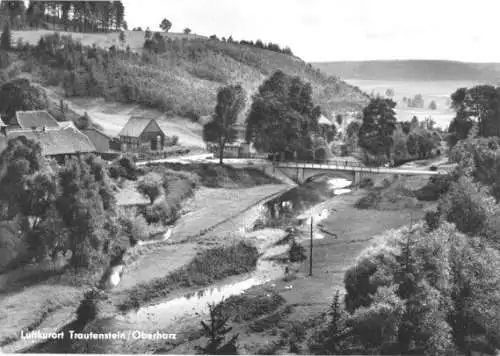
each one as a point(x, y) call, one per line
point(311, 250)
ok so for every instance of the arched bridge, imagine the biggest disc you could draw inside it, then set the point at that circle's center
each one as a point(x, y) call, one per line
point(301, 172)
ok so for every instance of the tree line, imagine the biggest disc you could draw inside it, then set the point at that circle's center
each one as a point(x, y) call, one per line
point(258, 44)
point(384, 139)
point(478, 106)
point(282, 118)
point(77, 16)
point(71, 209)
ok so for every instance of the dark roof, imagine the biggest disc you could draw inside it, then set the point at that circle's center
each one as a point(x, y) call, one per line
point(28, 120)
point(136, 125)
point(58, 142)
point(85, 131)
point(101, 141)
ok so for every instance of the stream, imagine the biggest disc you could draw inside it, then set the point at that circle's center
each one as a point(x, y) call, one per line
point(180, 314)
point(169, 313)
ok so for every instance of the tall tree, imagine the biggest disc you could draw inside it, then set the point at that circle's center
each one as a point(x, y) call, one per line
point(119, 14)
point(230, 101)
point(6, 38)
point(339, 119)
point(479, 104)
point(283, 117)
point(215, 330)
point(20, 95)
point(82, 211)
point(165, 25)
point(379, 123)
point(21, 159)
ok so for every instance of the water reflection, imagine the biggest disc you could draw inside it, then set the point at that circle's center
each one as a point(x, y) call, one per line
point(169, 313)
point(193, 304)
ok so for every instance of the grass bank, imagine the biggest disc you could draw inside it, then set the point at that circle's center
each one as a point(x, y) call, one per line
point(224, 176)
point(206, 268)
point(288, 327)
point(395, 193)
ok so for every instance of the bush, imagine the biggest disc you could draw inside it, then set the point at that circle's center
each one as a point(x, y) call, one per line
point(117, 171)
point(135, 227)
point(369, 201)
point(206, 268)
point(297, 252)
point(366, 183)
point(245, 307)
point(386, 183)
point(150, 186)
point(467, 207)
point(434, 189)
point(432, 219)
point(88, 310)
point(123, 168)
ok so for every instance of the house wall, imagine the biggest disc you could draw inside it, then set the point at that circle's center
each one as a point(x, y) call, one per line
point(129, 144)
point(151, 133)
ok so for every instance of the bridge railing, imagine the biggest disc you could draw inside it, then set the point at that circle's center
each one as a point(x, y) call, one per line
point(327, 164)
point(357, 168)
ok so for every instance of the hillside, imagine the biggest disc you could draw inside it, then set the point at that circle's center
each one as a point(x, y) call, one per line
point(429, 70)
point(180, 81)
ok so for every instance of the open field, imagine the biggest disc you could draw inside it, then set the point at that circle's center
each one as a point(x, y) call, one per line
point(112, 117)
point(439, 91)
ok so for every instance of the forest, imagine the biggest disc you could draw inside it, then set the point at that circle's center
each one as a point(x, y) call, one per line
point(76, 16)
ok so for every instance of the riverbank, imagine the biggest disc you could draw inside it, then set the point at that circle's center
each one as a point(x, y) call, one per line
point(348, 232)
point(307, 297)
point(146, 263)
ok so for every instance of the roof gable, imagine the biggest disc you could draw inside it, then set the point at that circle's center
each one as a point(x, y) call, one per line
point(34, 119)
point(153, 125)
point(135, 126)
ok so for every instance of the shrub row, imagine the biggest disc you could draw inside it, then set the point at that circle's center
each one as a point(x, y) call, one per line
point(206, 268)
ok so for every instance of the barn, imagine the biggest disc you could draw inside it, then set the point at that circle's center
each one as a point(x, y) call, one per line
point(142, 135)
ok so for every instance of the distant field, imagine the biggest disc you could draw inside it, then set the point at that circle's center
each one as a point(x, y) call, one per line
point(439, 91)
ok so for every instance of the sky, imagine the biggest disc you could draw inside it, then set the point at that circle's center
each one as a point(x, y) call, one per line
point(338, 30)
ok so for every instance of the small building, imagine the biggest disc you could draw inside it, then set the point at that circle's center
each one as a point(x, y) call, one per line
point(58, 144)
point(142, 135)
point(240, 131)
point(106, 146)
point(33, 120)
point(231, 150)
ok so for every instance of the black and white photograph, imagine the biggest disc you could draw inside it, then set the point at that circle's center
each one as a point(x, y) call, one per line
point(265, 177)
